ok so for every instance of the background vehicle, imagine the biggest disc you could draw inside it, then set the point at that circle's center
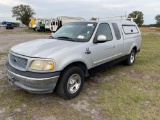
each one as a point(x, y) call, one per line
point(61, 20)
point(52, 24)
point(10, 26)
point(32, 23)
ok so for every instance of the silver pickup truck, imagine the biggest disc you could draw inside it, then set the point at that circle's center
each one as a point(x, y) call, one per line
point(75, 51)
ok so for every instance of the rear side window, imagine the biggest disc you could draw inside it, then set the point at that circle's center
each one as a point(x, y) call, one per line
point(116, 31)
point(130, 29)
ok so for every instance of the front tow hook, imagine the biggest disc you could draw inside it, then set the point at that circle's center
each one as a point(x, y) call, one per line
point(11, 80)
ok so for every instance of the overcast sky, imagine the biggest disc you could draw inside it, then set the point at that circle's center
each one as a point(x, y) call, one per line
point(83, 8)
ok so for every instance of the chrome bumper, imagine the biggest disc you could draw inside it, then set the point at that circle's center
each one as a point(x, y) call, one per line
point(31, 84)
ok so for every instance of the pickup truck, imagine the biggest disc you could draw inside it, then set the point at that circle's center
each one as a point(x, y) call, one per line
point(74, 52)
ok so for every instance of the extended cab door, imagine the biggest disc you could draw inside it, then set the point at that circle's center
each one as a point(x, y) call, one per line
point(119, 40)
point(103, 52)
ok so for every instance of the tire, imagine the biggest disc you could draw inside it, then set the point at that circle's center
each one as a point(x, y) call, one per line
point(70, 83)
point(131, 58)
point(35, 29)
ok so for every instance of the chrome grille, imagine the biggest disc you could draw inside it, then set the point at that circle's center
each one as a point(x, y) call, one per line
point(18, 62)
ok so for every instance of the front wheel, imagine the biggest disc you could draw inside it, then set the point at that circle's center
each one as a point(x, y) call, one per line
point(70, 83)
point(131, 58)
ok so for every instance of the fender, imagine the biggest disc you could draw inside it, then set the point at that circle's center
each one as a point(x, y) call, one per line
point(132, 46)
point(72, 59)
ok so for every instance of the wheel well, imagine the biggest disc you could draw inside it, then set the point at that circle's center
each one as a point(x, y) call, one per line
point(78, 64)
point(135, 48)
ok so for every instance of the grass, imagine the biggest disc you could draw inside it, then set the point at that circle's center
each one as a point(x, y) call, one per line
point(118, 93)
point(3, 54)
point(135, 93)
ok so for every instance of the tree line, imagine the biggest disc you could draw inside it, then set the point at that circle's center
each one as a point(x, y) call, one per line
point(23, 13)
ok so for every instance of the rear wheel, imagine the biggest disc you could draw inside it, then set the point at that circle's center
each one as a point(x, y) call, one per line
point(131, 58)
point(70, 83)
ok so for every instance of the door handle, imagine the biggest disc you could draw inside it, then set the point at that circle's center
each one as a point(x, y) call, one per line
point(110, 47)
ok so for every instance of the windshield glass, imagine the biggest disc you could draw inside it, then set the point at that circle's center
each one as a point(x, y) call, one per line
point(76, 31)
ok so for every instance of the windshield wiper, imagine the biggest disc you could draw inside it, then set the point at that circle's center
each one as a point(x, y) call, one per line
point(66, 38)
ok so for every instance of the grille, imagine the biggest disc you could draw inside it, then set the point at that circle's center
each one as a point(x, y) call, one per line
point(18, 62)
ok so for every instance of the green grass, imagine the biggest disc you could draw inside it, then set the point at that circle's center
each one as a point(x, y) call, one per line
point(3, 54)
point(124, 93)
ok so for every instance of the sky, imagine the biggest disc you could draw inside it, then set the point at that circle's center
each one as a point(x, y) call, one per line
point(84, 8)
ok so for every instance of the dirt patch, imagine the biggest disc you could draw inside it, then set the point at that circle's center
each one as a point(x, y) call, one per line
point(9, 40)
point(2, 112)
point(81, 105)
point(95, 114)
point(48, 118)
point(139, 75)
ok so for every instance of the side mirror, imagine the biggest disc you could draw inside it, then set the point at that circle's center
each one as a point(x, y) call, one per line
point(102, 38)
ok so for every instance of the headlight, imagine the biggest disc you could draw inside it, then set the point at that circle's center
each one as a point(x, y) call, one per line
point(42, 65)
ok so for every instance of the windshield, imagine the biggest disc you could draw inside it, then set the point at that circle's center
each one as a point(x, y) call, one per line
point(76, 31)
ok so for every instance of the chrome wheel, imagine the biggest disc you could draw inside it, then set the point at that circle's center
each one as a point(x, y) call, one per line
point(74, 83)
point(132, 57)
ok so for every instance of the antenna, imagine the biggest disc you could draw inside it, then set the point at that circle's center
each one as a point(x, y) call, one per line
point(125, 14)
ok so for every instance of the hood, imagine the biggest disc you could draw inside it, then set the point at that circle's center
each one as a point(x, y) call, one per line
point(43, 47)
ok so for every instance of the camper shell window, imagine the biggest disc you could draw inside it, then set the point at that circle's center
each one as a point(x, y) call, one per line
point(130, 29)
point(116, 31)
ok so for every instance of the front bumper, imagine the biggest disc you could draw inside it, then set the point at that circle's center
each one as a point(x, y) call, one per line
point(31, 81)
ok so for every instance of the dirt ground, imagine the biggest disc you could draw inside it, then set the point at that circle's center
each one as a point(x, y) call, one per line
point(117, 93)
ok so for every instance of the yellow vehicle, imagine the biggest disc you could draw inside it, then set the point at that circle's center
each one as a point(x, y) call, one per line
point(32, 23)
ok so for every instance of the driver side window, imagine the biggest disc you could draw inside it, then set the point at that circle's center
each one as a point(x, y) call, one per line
point(104, 29)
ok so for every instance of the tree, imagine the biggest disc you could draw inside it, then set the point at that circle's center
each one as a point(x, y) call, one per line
point(23, 13)
point(140, 18)
point(158, 20)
